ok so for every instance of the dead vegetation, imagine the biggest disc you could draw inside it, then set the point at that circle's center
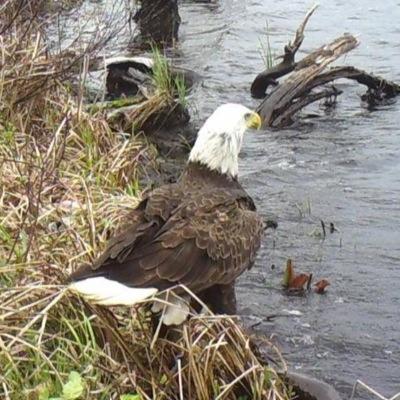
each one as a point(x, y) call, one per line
point(66, 182)
point(46, 334)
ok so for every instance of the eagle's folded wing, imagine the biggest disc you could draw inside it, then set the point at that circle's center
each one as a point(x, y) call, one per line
point(206, 241)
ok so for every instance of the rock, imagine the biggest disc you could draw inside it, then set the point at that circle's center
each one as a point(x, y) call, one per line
point(158, 22)
point(309, 388)
point(127, 76)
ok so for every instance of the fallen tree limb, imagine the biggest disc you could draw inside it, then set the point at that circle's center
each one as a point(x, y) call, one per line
point(286, 118)
point(280, 106)
point(389, 89)
point(269, 76)
point(297, 84)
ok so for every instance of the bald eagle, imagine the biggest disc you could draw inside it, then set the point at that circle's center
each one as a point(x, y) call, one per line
point(201, 232)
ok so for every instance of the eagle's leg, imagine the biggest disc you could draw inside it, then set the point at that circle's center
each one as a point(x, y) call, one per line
point(221, 299)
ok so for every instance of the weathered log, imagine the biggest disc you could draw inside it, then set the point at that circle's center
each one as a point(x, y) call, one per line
point(158, 22)
point(158, 112)
point(128, 76)
point(283, 97)
point(269, 77)
point(298, 90)
point(286, 118)
point(375, 83)
point(288, 64)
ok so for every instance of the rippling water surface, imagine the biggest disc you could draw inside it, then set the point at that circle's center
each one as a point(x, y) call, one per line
point(343, 167)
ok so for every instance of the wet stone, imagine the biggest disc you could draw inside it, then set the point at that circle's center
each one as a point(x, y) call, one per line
point(158, 22)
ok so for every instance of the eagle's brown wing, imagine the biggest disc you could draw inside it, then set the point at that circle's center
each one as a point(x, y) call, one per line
point(206, 240)
point(141, 224)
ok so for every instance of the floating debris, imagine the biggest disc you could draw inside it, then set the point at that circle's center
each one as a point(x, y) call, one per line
point(297, 313)
point(320, 286)
point(372, 391)
point(299, 283)
point(295, 282)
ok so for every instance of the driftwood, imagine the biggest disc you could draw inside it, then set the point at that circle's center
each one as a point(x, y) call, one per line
point(130, 76)
point(158, 22)
point(307, 80)
point(269, 76)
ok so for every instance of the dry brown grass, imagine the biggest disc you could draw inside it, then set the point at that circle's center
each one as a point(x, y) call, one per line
point(46, 333)
point(66, 182)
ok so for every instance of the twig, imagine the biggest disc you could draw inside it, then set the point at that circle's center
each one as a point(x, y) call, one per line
point(56, 299)
point(369, 389)
point(299, 36)
point(323, 228)
point(239, 378)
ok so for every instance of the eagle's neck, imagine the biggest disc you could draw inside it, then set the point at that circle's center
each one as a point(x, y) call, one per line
point(218, 151)
point(197, 174)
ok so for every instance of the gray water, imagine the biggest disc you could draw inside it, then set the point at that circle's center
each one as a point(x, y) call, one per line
point(342, 167)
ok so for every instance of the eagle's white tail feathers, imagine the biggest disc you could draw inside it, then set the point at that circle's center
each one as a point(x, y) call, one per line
point(174, 309)
point(107, 292)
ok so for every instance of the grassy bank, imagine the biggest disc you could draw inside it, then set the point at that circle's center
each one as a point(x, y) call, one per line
point(67, 181)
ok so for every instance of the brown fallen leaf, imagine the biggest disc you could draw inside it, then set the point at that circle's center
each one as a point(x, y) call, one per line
point(299, 281)
point(320, 286)
point(295, 282)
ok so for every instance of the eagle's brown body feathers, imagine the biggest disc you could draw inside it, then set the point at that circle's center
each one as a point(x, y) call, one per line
point(202, 232)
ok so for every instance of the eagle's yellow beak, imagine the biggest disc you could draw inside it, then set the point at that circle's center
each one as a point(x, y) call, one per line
point(253, 121)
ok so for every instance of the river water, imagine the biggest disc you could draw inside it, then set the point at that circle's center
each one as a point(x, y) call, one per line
point(342, 167)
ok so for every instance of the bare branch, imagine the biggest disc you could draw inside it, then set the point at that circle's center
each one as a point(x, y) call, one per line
point(299, 36)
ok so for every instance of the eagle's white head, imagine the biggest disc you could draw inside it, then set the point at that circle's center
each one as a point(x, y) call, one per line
point(219, 140)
